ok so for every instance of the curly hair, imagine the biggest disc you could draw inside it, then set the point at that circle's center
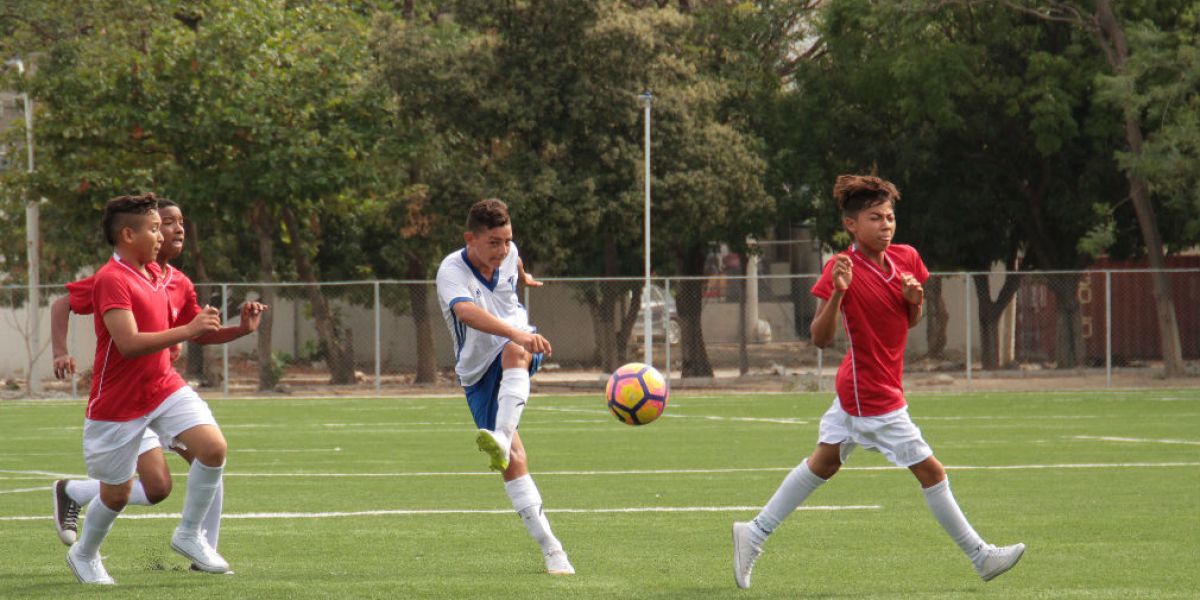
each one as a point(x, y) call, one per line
point(119, 210)
point(487, 214)
point(856, 192)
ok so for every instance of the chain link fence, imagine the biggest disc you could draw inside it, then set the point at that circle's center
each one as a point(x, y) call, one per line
point(1076, 329)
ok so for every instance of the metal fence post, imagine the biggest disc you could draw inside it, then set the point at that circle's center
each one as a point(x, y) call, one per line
point(667, 330)
point(225, 347)
point(967, 320)
point(378, 341)
point(1108, 328)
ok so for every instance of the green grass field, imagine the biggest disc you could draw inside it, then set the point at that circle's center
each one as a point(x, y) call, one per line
point(1104, 488)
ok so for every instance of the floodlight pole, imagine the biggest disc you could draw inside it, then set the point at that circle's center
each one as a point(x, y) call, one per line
point(32, 236)
point(647, 99)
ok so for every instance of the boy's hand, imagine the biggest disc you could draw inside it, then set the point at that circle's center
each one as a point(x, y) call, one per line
point(251, 315)
point(843, 272)
point(913, 292)
point(175, 352)
point(532, 343)
point(529, 280)
point(64, 364)
point(208, 321)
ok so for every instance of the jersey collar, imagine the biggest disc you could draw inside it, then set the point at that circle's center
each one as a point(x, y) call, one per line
point(490, 285)
point(888, 259)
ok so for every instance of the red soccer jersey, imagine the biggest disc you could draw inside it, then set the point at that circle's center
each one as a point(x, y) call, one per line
point(181, 293)
point(127, 388)
point(875, 315)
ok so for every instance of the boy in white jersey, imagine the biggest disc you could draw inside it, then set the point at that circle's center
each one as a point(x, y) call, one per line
point(496, 351)
point(875, 291)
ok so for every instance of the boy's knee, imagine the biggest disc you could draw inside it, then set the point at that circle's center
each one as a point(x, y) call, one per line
point(214, 454)
point(515, 356)
point(156, 492)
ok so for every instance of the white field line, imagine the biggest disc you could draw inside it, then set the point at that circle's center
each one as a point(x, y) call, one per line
point(493, 511)
point(785, 421)
point(23, 490)
point(1135, 440)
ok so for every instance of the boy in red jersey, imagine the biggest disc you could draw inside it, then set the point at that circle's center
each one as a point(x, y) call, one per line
point(874, 288)
point(154, 478)
point(135, 387)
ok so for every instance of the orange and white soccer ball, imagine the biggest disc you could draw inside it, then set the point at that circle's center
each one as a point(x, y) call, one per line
point(636, 394)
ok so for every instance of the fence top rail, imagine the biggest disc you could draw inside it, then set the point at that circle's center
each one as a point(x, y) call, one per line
point(655, 279)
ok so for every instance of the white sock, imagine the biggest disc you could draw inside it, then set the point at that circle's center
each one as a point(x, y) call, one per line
point(203, 482)
point(137, 496)
point(513, 394)
point(528, 503)
point(96, 525)
point(211, 525)
point(794, 490)
point(950, 517)
point(84, 491)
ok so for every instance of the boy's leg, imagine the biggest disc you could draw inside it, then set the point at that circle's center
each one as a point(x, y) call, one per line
point(989, 561)
point(110, 453)
point(185, 417)
point(527, 501)
point(152, 486)
point(512, 394)
point(210, 525)
point(84, 556)
point(802, 481)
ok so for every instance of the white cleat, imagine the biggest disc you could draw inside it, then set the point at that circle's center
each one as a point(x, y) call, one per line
point(197, 569)
point(88, 570)
point(66, 513)
point(745, 552)
point(557, 563)
point(192, 546)
point(993, 561)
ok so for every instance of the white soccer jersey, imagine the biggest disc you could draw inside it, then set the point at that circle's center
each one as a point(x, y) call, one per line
point(459, 281)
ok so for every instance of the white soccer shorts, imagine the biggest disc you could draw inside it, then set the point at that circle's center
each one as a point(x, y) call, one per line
point(893, 434)
point(111, 448)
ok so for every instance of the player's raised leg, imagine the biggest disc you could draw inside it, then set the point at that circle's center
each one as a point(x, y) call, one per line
point(989, 561)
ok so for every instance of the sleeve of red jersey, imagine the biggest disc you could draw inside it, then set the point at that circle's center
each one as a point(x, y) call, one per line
point(79, 295)
point(918, 267)
point(823, 288)
point(189, 305)
point(111, 293)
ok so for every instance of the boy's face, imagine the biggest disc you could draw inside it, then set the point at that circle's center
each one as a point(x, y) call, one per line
point(143, 236)
point(172, 232)
point(873, 227)
point(489, 247)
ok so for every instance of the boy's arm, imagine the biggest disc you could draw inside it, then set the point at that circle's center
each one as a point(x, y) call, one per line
point(122, 327)
point(915, 295)
point(251, 315)
point(60, 315)
point(824, 324)
point(477, 318)
point(526, 278)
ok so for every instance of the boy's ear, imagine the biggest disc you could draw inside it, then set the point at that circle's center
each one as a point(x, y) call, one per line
point(125, 234)
point(849, 224)
point(468, 237)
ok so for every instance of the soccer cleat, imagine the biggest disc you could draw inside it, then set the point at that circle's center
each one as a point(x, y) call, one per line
point(88, 570)
point(192, 546)
point(745, 552)
point(993, 561)
point(195, 567)
point(66, 513)
point(557, 563)
point(493, 445)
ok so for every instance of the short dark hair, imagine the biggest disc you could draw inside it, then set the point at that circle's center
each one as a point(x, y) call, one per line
point(856, 192)
point(165, 203)
point(487, 214)
point(119, 210)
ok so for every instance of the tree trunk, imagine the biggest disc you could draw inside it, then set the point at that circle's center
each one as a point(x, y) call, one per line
point(989, 316)
point(418, 294)
point(936, 319)
point(690, 304)
point(339, 350)
point(268, 372)
point(1112, 40)
point(196, 368)
point(1068, 339)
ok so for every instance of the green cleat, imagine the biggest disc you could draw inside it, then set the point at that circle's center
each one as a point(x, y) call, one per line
point(492, 445)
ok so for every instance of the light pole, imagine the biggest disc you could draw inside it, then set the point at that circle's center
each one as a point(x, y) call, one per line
point(32, 241)
point(647, 99)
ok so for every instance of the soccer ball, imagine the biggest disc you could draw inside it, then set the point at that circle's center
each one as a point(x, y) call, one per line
point(636, 394)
